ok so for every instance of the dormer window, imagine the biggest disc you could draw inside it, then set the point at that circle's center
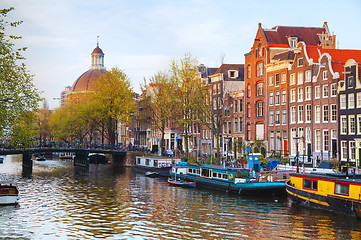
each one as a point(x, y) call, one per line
point(260, 50)
point(292, 41)
point(232, 74)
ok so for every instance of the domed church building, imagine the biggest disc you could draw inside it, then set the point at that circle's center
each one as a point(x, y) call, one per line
point(86, 81)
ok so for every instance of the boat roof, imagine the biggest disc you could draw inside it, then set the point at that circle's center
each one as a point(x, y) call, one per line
point(218, 167)
point(8, 182)
point(332, 176)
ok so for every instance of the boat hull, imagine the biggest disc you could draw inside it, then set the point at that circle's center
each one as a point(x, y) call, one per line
point(248, 188)
point(9, 199)
point(181, 183)
point(329, 203)
point(160, 172)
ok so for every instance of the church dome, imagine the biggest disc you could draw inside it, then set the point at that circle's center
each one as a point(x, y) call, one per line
point(86, 81)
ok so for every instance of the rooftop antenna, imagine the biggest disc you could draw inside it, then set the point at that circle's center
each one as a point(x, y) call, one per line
point(97, 41)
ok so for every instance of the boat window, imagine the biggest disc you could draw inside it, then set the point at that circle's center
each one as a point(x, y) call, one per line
point(341, 189)
point(155, 163)
point(146, 161)
point(138, 161)
point(190, 170)
point(309, 184)
point(225, 176)
point(214, 174)
point(206, 172)
point(219, 175)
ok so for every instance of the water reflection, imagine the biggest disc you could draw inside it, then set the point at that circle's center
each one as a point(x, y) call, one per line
point(61, 202)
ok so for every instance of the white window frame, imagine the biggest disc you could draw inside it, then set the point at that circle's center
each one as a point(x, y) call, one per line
point(317, 92)
point(284, 97)
point(308, 93)
point(300, 78)
point(324, 75)
point(308, 77)
point(358, 100)
point(343, 125)
point(271, 118)
point(283, 80)
point(351, 101)
point(308, 117)
point(342, 101)
point(351, 124)
point(271, 98)
point(333, 89)
point(300, 113)
point(293, 114)
point(317, 140)
point(293, 95)
point(333, 113)
point(300, 94)
point(270, 80)
point(317, 113)
point(325, 113)
point(292, 79)
point(325, 91)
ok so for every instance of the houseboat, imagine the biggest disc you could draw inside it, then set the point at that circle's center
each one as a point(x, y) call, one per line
point(9, 193)
point(154, 166)
point(97, 158)
point(237, 180)
point(337, 192)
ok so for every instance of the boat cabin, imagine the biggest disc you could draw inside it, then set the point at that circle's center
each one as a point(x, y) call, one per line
point(156, 162)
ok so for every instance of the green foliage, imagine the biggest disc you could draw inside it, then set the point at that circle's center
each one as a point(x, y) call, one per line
point(18, 94)
point(22, 134)
point(262, 160)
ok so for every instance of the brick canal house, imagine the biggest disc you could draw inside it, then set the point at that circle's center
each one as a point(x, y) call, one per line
point(225, 87)
point(267, 44)
point(349, 112)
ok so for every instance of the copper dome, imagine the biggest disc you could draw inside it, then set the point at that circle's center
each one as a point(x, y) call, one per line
point(97, 50)
point(86, 80)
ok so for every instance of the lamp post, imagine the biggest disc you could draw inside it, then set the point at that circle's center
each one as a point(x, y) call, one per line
point(297, 166)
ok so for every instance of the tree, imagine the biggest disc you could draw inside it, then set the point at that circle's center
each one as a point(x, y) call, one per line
point(162, 92)
point(42, 119)
point(190, 97)
point(23, 131)
point(18, 95)
point(114, 100)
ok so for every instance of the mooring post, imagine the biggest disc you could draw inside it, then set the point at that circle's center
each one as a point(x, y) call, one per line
point(27, 164)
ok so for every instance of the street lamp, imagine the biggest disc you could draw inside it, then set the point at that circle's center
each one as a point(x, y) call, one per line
point(297, 138)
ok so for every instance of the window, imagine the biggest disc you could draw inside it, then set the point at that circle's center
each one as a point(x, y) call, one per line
point(249, 90)
point(325, 141)
point(325, 91)
point(344, 149)
point(240, 105)
point(260, 50)
point(317, 140)
point(325, 113)
point(309, 184)
point(350, 82)
point(343, 120)
point(300, 113)
point(235, 106)
point(300, 62)
point(270, 80)
point(259, 69)
point(240, 124)
point(300, 78)
point(293, 95)
point(232, 74)
point(317, 113)
point(284, 134)
point(249, 71)
point(283, 77)
point(308, 93)
point(300, 94)
point(271, 99)
point(351, 124)
point(259, 109)
point(333, 90)
point(351, 100)
point(292, 41)
point(342, 189)
point(308, 135)
point(284, 100)
point(277, 100)
point(358, 103)
point(284, 116)
point(278, 117)
point(293, 114)
point(293, 79)
point(333, 113)
point(277, 81)
point(358, 124)
point(308, 76)
point(236, 125)
point(324, 74)
point(272, 140)
point(271, 117)
point(260, 89)
point(308, 112)
point(317, 92)
point(342, 101)
point(248, 110)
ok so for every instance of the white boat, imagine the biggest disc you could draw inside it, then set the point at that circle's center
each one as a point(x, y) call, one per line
point(9, 193)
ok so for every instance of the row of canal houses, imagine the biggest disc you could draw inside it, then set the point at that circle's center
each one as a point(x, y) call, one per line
point(295, 91)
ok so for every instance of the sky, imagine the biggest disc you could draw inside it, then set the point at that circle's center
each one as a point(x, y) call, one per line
point(143, 37)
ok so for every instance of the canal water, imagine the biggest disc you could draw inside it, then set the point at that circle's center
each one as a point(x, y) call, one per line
point(61, 202)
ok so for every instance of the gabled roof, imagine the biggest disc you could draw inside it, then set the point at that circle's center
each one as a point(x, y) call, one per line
point(224, 68)
point(280, 34)
point(287, 55)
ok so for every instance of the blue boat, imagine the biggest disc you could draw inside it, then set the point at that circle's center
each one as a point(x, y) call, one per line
point(237, 180)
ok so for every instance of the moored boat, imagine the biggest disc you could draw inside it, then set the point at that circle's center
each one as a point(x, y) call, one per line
point(157, 166)
point(97, 158)
point(334, 192)
point(40, 158)
point(238, 180)
point(181, 183)
point(9, 193)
